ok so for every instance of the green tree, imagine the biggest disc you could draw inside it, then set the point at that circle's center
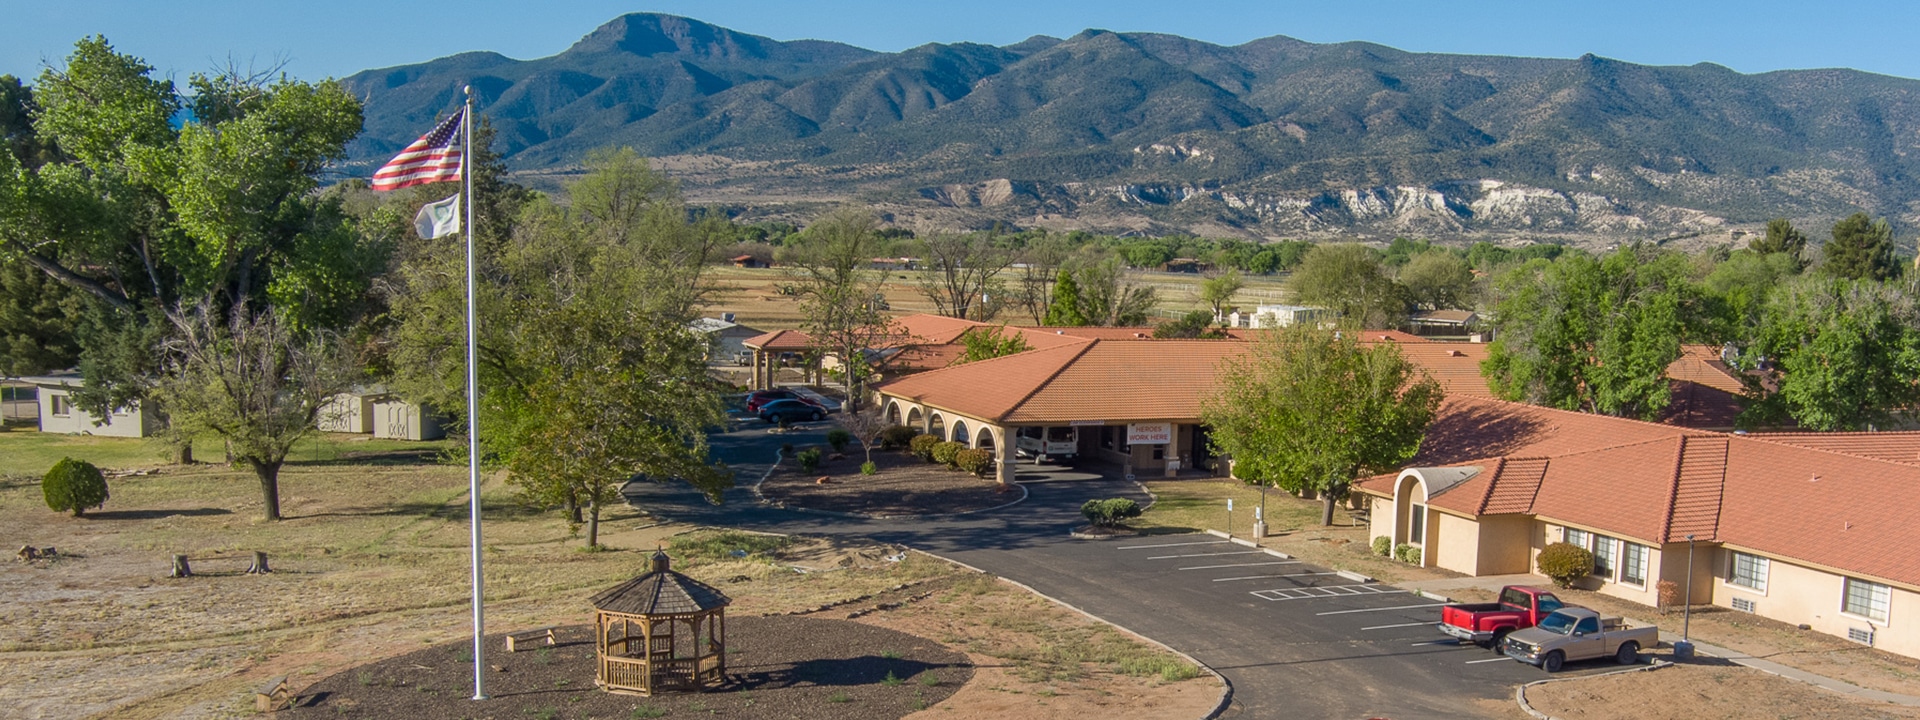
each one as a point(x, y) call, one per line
point(38, 320)
point(255, 381)
point(1781, 237)
point(991, 342)
point(1109, 298)
point(1039, 262)
point(1438, 280)
point(1218, 291)
point(73, 486)
point(1845, 355)
point(1196, 324)
point(1594, 335)
point(1063, 310)
point(839, 298)
point(1861, 249)
point(1306, 409)
point(1739, 287)
point(1347, 279)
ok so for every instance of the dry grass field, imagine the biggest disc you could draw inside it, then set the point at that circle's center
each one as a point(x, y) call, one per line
point(371, 562)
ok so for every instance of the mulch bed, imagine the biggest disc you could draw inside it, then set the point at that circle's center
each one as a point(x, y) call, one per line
point(904, 486)
point(801, 668)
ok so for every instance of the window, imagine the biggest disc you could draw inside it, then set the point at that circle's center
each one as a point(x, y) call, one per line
point(1867, 599)
point(61, 408)
point(1549, 603)
point(1633, 564)
point(1604, 553)
point(1587, 626)
point(1749, 571)
point(1416, 524)
point(1577, 537)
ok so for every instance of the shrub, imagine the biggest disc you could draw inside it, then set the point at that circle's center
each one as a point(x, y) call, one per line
point(1669, 594)
point(1383, 546)
point(1110, 511)
point(974, 460)
point(786, 449)
point(809, 459)
point(897, 437)
point(1565, 563)
point(74, 485)
point(922, 446)
point(945, 453)
point(838, 438)
point(1408, 554)
point(868, 468)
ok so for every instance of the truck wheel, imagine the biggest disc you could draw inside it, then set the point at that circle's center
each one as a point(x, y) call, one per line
point(1553, 661)
point(1629, 653)
point(1499, 638)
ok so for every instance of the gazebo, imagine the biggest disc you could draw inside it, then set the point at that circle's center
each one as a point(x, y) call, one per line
point(660, 631)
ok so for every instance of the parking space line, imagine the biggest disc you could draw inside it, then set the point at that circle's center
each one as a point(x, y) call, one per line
point(1384, 609)
point(1322, 591)
point(1437, 642)
point(1213, 567)
point(1237, 552)
point(1143, 547)
point(1266, 577)
point(1488, 660)
point(1401, 625)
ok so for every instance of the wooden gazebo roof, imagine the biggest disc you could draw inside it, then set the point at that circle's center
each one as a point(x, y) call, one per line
point(660, 592)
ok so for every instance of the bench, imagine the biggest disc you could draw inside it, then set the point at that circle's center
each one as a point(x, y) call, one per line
point(515, 640)
point(273, 696)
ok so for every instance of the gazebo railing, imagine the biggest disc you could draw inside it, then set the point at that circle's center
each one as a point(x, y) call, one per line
point(631, 673)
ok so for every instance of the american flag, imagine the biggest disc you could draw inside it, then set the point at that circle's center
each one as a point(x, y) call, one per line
point(435, 157)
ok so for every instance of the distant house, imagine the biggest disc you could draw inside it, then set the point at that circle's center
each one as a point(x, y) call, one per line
point(1186, 265)
point(59, 415)
point(1445, 322)
point(726, 338)
point(19, 402)
point(896, 264)
point(749, 261)
point(1266, 316)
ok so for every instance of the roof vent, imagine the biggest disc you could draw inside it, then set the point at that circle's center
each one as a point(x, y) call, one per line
point(1140, 336)
point(1455, 353)
point(1059, 332)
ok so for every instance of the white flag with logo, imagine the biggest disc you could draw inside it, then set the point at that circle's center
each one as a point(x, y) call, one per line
point(438, 219)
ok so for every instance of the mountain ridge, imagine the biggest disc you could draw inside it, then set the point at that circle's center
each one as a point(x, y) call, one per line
point(1155, 132)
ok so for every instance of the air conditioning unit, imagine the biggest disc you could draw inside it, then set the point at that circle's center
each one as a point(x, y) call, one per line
point(1864, 635)
point(1743, 604)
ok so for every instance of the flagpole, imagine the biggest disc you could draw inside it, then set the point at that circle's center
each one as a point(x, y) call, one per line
point(473, 412)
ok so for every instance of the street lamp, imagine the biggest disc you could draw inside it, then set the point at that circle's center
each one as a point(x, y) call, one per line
point(1684, 649)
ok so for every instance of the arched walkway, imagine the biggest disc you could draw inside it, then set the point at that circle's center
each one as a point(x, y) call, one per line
point(984, 439)
point(893, 413)
point(914, 419)
point(936, 425)
point(960, 433)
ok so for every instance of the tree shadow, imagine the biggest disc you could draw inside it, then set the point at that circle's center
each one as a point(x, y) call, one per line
point(421, 456)
point(155, 514)
point(1475, 432)
point(835, 672)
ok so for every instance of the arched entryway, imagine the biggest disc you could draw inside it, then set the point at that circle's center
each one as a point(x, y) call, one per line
point(936, 425)
point(984, 439)
point(914, 419)
point(960, 433)
point(893, 413)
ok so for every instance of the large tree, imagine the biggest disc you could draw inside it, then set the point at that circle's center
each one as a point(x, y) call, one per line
point(1306, 409)
point(959, 271)
point(1063, 307)
point(1438, 280)
point(1109, 297)
point(1039, 263)
point(1842, 355)
point(1218, 291)
point(1347, 279)
point(1781, 237)
point(1594, 335)
point(1861, 249)
point(840, 303)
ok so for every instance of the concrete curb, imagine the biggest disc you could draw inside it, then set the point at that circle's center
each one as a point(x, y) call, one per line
point(1354, 576)
point(1226, 686)
point(1520, 693)
point(1436, 597)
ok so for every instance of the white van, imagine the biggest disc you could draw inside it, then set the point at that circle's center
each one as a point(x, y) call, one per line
point(1051, 442)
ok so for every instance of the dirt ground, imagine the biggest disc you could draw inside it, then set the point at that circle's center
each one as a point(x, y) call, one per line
point(1697, 692)
point(904, 485)
point(372, 563)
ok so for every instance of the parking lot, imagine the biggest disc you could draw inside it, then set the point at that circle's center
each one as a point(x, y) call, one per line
point(1327, 623)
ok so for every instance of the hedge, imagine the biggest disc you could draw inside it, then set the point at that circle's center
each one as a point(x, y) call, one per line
point(1110, 511)
point(922, 446)
point(947, 453)
point(975, 460)
point(897, 437)
point(74, 485)
point(1565, 562)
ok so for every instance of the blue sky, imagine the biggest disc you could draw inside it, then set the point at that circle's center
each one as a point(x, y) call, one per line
point(319, 38)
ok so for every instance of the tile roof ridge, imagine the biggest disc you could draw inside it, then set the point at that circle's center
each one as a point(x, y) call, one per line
point(963, 366)
point(1079, 351)
point(1679, 466)
point(1493, 481)
point(1676, 429)
point(1809, 448)
point(1636, 443)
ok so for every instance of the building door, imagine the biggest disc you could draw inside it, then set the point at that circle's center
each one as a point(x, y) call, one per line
point(1202, 454)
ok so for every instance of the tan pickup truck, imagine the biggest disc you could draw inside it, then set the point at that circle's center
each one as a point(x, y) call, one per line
point(1576, 633)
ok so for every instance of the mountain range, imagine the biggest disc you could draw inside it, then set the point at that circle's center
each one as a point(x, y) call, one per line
point(1154, 133)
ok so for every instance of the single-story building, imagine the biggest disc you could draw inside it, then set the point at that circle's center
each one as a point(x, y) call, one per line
point(1445, 322)
point(378, 412)
point(59, 415)
point(1269, 316)
point(749, 261)
point(1804, 528)
point(726, 339)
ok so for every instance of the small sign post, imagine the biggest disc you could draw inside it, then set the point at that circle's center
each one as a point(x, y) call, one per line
point(1229, 517)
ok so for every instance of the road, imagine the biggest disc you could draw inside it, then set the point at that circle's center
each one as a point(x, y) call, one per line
point(1295, 640)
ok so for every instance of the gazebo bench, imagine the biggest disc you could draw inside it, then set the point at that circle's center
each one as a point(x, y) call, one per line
point(515, 640)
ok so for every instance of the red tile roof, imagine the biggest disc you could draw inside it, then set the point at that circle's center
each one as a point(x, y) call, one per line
point(1900, 447)
point(780, 340)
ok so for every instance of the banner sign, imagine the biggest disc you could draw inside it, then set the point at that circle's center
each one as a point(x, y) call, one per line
point(1149, 433)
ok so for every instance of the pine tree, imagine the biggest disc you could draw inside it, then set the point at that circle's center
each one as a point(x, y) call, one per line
point(1781, 237)
point(1064, 309)
point(1861, 249)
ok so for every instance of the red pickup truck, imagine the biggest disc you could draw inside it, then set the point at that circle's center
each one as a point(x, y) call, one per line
point(1488, 623)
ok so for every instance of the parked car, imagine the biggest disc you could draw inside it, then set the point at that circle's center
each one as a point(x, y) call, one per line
point(759, 398)
point(1061, 443)
point(789, 410)
point(743, 358)
point(1577, 633)
point(1518, 608)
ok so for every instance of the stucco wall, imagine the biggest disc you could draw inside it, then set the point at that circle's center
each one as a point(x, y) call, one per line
point(1505, 545)
point(1798, 594)
point(1453, 543)
point(1381, 518)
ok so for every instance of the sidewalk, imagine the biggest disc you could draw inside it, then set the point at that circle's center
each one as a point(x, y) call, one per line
point(1493, 583)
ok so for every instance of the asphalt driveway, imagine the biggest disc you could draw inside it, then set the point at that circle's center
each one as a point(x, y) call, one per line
point(1295, 640)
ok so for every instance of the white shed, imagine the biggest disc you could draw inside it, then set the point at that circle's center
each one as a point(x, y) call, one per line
point(348, 412)
point(59, 415)
point(398, 419)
